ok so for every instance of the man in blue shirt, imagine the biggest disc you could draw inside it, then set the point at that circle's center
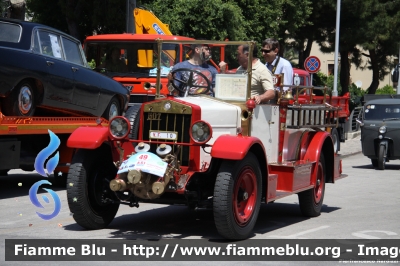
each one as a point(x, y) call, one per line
point(275, 63)
point(198, 62)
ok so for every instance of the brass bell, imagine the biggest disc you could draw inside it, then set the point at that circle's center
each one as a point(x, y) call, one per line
point(288, 95)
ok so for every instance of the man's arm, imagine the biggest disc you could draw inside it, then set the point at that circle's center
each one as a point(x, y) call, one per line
point(268, 95)
point(269, 91)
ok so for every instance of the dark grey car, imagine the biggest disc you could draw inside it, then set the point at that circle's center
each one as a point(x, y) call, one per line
point(44, 71)
point(380, 131)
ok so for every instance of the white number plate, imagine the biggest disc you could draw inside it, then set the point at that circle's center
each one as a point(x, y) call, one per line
point(163, 135)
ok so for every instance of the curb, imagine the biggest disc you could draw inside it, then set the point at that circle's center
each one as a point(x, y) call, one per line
point(353, 135)
point(349, 154)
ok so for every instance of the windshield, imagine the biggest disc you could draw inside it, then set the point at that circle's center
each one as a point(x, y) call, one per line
point(130, 58)
point(381, 111)
point(204, 70)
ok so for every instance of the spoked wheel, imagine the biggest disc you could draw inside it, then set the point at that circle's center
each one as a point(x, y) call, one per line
point(90, 198)
point(381, 157)
point(21, 101)
point(237, 197)
point(310, 201)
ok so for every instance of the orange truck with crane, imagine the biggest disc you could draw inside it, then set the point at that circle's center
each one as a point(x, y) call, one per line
point(138, 52)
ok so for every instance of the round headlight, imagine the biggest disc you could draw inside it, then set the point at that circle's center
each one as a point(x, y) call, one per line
point(200, 132)
point(382, 129)
point(119, 127)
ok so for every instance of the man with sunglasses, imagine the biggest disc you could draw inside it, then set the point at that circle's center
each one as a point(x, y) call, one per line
point(199, 56)
point(275, 63)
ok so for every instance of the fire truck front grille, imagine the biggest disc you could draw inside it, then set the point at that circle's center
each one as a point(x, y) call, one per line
point(165, 122)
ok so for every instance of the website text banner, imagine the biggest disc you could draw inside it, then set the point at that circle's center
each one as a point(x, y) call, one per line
point(345, 250)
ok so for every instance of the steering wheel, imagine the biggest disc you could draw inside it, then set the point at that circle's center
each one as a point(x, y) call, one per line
point(190, 83)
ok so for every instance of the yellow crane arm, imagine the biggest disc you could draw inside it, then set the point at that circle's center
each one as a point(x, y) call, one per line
point(147, 23)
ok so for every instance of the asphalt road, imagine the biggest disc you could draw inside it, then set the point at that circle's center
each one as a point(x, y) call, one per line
point(365, 205)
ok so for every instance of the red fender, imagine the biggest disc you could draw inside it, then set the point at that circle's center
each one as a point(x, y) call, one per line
point(314, 149)
point(233, 147)
point(88, 137)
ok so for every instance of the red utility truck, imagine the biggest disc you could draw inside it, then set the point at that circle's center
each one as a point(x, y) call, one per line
point(309, 95)
point(224, 153)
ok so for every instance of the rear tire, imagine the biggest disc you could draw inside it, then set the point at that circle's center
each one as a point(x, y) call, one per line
point(90, 198)
point(311, 200)
point(374, 163)
point(21, 101)
point(336, 140)
point(237, 197)
point(381, 157)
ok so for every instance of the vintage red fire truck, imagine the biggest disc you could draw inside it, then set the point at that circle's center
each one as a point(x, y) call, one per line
point(224, 153)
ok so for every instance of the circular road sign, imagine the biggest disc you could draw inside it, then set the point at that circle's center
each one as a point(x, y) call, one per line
point(312, 64)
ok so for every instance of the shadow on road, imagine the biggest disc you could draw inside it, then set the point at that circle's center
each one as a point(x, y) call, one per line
point(388, 167)
point(177, 222)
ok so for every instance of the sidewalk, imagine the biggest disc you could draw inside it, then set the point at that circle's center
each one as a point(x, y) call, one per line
point(352, 145)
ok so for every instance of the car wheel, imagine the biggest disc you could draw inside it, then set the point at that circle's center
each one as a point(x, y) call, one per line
point(310, 201)
point(21, 101)
point(381, 157)
point(133, 115)
point(374, 163)
point(335, 139)
point(90, 198)
point(113, 109)
point(237, 197)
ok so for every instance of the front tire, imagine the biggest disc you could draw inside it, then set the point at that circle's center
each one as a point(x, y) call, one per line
point(237, 197)
point(311, 200)
point(381, 157)
point(21, 101)
point(90, 198)
point(133, 115)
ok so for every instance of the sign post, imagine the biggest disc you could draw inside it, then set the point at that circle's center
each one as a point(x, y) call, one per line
point(312, 64)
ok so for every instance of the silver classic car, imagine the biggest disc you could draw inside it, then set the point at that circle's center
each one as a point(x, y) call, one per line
point(43, 70)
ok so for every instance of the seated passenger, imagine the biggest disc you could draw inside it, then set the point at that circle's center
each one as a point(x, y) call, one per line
point(113, 62)
point(262, 88)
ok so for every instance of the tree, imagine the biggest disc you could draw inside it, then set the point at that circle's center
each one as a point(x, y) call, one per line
point(80, 18)
point(380, 38)
point(214, 20)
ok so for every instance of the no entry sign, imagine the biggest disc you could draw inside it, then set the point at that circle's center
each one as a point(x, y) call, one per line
point(312, 64)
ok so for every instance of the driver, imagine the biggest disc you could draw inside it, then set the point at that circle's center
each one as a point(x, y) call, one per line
point(200, 55)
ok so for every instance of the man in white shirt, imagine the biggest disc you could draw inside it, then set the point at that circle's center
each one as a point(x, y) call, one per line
point(275, 63)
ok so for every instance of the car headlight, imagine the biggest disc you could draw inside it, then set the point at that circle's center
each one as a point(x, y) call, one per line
point(382, 129)
point(200, 132)
point(119, 127)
